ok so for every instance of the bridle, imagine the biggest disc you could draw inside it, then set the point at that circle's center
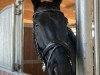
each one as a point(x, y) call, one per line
point(51, 47)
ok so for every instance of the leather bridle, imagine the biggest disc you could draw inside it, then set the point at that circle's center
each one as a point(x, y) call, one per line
point(52, 47)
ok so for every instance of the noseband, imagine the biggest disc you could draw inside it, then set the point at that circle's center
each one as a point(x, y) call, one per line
point(51, 47)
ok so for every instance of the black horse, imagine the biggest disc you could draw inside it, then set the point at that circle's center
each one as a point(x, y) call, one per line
point(55, 42)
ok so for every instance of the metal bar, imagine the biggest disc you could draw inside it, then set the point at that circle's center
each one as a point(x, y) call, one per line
point(97, 37)
point(84, 64)
point(19, 33)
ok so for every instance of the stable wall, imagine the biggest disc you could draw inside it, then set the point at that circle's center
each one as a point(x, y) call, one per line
point(32, 64)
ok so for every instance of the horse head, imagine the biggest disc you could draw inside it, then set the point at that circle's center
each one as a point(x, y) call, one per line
point(50, 37)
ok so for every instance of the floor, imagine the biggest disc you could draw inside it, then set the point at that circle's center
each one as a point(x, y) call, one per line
point(7, 72)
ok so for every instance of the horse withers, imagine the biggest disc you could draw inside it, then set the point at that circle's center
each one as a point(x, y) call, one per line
point(55, 42)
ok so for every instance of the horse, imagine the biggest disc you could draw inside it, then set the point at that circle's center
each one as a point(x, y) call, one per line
point(55, 42)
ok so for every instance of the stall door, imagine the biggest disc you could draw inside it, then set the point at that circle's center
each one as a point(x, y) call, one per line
point(7, 27)
point(11, 38)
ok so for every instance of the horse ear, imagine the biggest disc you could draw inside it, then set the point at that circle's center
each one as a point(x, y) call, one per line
point(57, 3)
point(36, 3)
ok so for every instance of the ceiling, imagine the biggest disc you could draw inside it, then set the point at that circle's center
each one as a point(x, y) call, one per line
point(67, 7)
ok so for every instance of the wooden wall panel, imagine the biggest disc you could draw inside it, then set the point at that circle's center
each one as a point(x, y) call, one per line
point(32, 68)
point(29, 48)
